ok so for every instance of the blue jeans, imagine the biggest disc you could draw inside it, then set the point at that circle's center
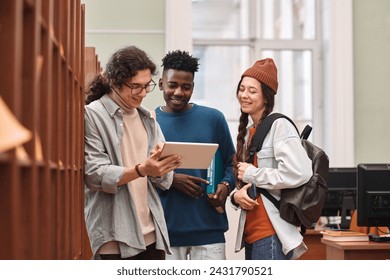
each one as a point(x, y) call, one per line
point(268, 248)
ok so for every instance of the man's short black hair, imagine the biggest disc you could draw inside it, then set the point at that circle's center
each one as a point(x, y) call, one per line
point(180, 60)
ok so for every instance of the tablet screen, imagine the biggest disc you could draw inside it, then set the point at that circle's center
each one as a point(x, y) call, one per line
point(194, 155)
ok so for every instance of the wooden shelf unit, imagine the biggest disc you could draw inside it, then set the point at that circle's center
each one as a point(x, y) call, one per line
point(42, 82)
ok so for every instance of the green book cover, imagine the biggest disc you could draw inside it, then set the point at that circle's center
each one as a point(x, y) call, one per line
point(215, 173)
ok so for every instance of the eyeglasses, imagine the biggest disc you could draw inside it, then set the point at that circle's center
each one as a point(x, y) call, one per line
point(137, 88)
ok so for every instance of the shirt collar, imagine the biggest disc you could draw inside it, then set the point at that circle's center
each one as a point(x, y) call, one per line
point(112, 107)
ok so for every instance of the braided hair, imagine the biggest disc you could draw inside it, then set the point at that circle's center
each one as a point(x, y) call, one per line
point(242, 154)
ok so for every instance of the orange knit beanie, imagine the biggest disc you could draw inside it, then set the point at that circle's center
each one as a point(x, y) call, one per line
point(265, 72)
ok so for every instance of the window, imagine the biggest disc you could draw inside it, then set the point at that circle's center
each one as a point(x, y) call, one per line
point(230, 35)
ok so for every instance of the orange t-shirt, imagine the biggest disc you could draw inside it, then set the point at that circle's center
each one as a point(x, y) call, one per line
point(257, 223)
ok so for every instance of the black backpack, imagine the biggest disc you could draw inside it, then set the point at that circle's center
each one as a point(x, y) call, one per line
point(299, 206)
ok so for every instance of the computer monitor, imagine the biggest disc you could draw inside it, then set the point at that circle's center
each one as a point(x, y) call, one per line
point(373, 195)
point(341, 197)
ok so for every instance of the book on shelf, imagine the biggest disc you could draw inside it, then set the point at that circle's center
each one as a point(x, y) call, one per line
point(344, 235)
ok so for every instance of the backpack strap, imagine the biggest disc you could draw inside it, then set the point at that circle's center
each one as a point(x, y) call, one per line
point(261, 132)
point(306, 132)
point(269, 197)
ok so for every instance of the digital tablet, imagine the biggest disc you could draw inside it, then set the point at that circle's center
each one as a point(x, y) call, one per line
point(193, 155)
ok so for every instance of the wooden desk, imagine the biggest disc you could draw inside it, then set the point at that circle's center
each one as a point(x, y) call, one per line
point(316, 249)
point(363, 250)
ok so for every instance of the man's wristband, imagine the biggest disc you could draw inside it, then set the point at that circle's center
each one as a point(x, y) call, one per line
point(137, 170)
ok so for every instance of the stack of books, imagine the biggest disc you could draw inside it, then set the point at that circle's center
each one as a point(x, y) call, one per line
point(344, 235)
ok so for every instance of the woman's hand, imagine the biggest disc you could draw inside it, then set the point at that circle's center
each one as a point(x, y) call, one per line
point(241, 198)
point(241, 167)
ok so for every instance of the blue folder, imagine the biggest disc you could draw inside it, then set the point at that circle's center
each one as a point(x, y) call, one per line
point(215, 173)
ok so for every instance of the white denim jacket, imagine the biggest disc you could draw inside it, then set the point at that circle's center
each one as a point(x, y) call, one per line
point(282, 163)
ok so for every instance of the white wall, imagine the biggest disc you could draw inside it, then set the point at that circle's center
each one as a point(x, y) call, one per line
point(111, 25)
point(372, 84)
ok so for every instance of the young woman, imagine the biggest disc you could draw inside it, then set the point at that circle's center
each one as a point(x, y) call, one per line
point(281, 163)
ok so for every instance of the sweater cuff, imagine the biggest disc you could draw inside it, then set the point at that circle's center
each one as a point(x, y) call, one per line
point(248, 175)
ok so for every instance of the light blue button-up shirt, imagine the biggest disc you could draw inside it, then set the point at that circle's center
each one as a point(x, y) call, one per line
point(110, 212)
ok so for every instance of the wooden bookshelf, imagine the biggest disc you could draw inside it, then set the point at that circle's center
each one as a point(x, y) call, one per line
point(42, 83)
point(92, 64)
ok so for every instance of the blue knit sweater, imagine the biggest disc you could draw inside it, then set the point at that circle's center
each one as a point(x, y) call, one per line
point(190, 221)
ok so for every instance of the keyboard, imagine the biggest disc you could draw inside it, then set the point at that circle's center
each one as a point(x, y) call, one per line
point(377, 238)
